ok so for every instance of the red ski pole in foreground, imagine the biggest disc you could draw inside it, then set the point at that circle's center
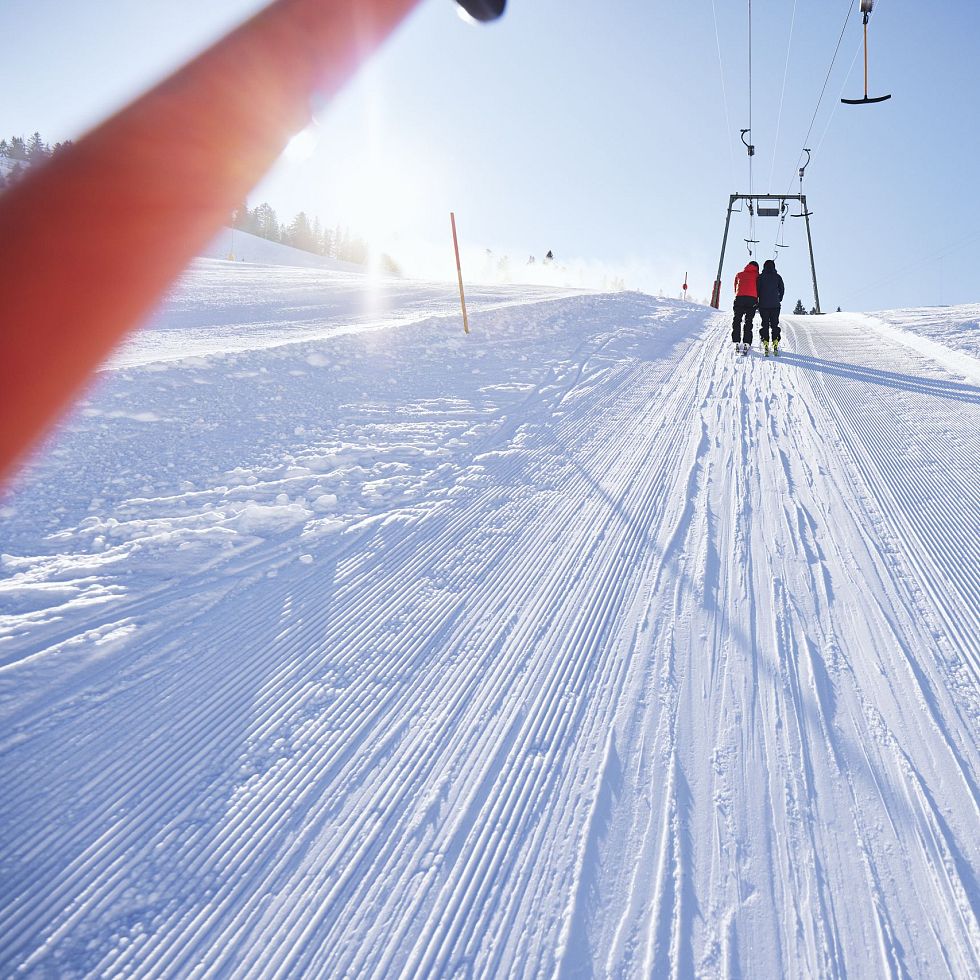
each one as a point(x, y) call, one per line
point(90, 241)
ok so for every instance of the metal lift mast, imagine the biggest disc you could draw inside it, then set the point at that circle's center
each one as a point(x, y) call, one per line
point(764, 212)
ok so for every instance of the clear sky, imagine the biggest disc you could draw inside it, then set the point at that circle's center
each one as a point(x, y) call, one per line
point(595, 129)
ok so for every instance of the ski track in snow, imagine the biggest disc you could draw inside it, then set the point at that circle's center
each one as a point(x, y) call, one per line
point(575, 647)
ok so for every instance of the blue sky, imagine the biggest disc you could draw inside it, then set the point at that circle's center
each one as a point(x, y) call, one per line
point(597, 130)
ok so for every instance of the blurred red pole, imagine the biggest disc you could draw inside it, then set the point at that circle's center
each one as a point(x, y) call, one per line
point(91, 240)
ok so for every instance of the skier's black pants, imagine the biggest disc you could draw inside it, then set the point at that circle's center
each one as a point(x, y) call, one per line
point(770, 324)
point(745, 306)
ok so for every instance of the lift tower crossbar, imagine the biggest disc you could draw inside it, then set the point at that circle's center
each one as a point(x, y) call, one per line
point(759, 201)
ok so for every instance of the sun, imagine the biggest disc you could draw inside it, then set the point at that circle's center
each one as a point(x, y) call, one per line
point(384, 190)
point(384, 198)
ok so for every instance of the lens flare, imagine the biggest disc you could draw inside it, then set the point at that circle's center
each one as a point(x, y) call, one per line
point(302, 146)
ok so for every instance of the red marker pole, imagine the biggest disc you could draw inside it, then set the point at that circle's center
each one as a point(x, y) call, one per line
point(92, 239)
point(459, 273)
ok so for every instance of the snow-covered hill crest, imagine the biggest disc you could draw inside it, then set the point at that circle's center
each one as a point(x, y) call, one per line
point(235, 245)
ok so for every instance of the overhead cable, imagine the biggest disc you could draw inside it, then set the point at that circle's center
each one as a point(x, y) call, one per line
point(823, 90)
point(724, 92)
point(782, 94)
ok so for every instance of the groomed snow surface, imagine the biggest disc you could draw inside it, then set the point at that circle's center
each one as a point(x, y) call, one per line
point(336, 643)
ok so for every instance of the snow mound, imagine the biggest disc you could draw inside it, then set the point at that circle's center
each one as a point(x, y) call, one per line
point(956, 327)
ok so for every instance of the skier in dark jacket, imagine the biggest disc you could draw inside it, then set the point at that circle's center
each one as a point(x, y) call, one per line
point(746, 303)
point(771, 291)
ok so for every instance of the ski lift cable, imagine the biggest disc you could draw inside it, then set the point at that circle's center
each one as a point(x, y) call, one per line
point(823, 90)
point(750, 68)
point(724, 90)
point(919, 261)
point(780, 241)
point(751, 148)
point(847, 77)
point(850, 71)
point(804, 211)
point(782, 94)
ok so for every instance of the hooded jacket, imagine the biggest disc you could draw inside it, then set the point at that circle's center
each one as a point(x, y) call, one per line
point(770, 287)
point(746, 282)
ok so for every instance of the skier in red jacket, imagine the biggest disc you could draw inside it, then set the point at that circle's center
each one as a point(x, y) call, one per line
point(746, 303)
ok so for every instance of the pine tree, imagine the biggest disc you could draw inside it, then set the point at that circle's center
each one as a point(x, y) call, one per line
point(18, 150)
point(799, 309)
point(37, 150)
point(240, 217)
point(299, 234)
point(267, 222)
point(357, 251)
point(343, 244)
point(4, 148)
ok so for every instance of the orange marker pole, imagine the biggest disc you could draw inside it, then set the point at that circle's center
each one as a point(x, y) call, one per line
point(459, 273)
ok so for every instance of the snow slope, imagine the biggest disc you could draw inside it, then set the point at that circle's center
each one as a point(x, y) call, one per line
point(254, 249)
point(957, 327)
point(334, 642)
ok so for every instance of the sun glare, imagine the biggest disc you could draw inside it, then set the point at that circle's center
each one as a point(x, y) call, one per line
point(384, 202)
point(302, 146)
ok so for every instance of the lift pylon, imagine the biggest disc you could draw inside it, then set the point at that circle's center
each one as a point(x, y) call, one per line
point(760, 201)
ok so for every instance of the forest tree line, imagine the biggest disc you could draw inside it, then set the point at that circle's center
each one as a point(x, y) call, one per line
point(18, 155)
point(309, 235)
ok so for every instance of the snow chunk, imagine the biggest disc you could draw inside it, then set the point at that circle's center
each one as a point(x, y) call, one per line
point(326, 501)
point(256, 518)
point(322, 527)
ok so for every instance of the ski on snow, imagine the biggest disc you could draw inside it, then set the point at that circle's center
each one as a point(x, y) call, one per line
point(743, 350)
